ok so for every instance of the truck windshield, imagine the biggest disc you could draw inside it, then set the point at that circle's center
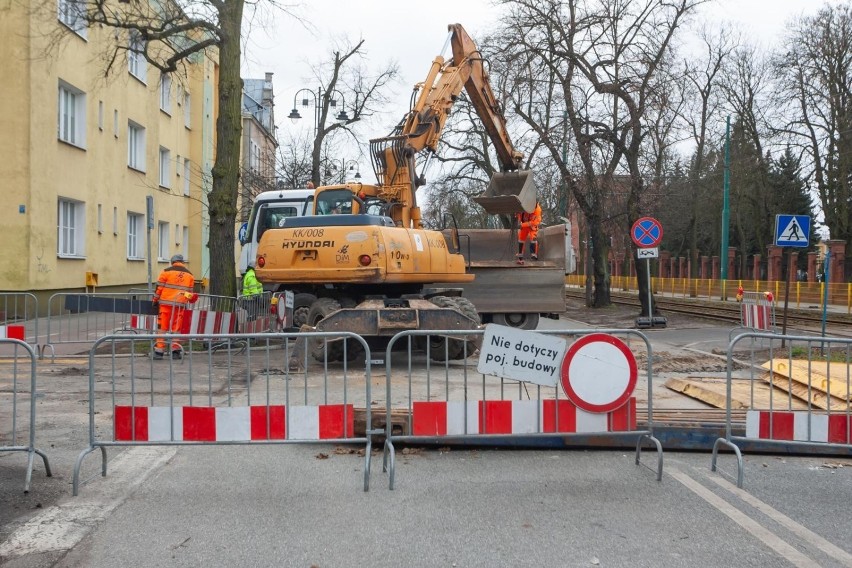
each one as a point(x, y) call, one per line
point(334, 202)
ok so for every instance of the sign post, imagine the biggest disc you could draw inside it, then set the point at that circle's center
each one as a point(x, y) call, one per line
point(647, 233)
point(791, 231)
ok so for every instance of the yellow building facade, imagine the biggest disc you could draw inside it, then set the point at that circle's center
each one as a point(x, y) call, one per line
point(86, 157)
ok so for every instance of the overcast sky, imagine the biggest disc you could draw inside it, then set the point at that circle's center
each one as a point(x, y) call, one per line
point(413, 33)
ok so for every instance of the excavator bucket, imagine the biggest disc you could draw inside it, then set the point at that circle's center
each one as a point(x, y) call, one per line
point(509, 193)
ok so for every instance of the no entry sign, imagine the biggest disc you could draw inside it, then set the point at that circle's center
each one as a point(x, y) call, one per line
point(598, 373)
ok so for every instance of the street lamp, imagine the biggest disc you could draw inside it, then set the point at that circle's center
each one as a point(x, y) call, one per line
point(316, 97)
point(344, 166)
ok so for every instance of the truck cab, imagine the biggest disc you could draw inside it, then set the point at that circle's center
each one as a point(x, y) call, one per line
point(268, 212)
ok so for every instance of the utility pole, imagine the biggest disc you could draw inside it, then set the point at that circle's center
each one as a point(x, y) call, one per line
point(726, 188)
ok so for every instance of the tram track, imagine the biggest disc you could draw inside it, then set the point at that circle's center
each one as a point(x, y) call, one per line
point(838, 324)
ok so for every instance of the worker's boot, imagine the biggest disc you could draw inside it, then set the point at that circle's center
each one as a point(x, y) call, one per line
point(520, 259)
point(157, 356)
point(520, 253)
point(534, 253)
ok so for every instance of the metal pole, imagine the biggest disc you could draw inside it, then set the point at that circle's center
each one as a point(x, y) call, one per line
point(827, 271)
point(149, 202)
point(726, 188)
point(650, 298)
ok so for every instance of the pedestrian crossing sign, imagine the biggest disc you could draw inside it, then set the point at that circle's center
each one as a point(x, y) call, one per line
point(792, 230)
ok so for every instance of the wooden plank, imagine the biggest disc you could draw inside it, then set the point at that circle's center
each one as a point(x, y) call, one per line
point(713, 391)
point(835, 378)
point(818, 398)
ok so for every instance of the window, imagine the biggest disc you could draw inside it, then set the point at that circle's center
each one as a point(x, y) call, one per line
point(72, 14)
point(70, 223)
point(165, 167)
point(135, 146)
point(187, 113)
point(254, 156)
point(165, 94)
point(186, 166)
point(163, 241)
point(135, 227)
point(100, 219)
point(185, 248)
point(136, 63)
point(72, 115)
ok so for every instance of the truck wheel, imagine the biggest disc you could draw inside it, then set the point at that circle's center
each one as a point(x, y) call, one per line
point(301, 306)
point(451, 349)
point(520, 321)
point(319, 310)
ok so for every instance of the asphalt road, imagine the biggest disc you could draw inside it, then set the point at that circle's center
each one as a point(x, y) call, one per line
point(303, 505)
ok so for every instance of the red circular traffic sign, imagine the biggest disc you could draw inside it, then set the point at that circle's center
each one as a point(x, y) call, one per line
point(646, 232)
point(598, 373)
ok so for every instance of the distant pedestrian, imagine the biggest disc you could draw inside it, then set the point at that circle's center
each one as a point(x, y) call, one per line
point(174, 291)
point(252, 291)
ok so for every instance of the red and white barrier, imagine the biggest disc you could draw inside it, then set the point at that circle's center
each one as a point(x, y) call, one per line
point(231, 424)
point(144, 323)
point(198, 322)
point(12, 332)
point(516, 417)
point(793, 426)
point(757, 317)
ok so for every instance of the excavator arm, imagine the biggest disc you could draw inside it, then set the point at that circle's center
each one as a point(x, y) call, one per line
point(394, 156)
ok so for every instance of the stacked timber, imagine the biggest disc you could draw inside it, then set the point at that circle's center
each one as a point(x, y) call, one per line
point(825, 385)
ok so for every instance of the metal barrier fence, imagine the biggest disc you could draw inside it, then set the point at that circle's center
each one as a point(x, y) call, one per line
point(18, 403)
point(19, 316)
point(448, 399)
point(798, 392)
point(85, 318)
point(232, 395)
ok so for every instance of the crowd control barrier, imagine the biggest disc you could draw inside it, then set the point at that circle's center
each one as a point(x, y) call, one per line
point(445, 398)
point(231, 395)
point(757, 311)
point(18, 403)
point(19, 316)
point(800, 395)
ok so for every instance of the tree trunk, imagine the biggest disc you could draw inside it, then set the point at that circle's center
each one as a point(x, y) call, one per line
point(226, 169)
point(600, 255)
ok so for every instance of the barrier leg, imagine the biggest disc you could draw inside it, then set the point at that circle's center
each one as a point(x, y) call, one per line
point(659, 448)
point(368, 452)
point(75, 484)
point(740, 464)
point(389, 462)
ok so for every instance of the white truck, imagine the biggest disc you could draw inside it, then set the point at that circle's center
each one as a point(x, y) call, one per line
point(269, 210)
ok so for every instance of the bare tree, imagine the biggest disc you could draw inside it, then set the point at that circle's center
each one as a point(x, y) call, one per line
point(601, 61)
point(816, 84)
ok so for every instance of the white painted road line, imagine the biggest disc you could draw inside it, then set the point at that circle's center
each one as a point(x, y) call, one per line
point(763, 534)
point(60, 527)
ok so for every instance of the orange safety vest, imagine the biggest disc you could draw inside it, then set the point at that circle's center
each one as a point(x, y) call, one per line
point(173, 285)
point(534, 218)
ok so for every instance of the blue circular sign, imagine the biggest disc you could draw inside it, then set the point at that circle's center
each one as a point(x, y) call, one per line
point(242, 234)
point(646, 232)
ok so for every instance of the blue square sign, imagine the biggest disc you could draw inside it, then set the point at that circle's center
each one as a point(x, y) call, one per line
point(792, 230)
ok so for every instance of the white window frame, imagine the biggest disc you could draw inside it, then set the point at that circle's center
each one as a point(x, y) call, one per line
point(177, 234)
point(71, 115)
point(70, 13)
point(187, 169)
point(135, 146)
point(135, 235)
point(166, 94)
point(185, 244)
point(115, 221)
point(187, 110)
point(163, 241)
point(136, 64)
point(100, 219)
point(101, 116)
point(70, 228)
point(165, 167)
point(115, 123)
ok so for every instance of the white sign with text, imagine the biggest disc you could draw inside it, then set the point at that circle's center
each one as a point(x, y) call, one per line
point(521, 355)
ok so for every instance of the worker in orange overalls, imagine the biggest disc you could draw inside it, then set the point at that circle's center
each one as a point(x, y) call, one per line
point(529, 223)
point(174, 291)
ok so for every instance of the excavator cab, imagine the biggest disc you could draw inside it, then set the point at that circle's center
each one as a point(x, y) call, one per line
point(509, 193)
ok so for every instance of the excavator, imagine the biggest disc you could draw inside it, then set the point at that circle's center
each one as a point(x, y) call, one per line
point(363, 262)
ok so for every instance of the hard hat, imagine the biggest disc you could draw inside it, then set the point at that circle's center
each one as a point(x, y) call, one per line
point(177, 258)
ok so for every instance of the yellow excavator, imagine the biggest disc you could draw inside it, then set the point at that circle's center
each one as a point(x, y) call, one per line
point(361, 263)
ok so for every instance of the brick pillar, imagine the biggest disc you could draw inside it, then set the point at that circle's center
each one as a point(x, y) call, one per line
point(793, 265)
point(663, 265)
point(812, 262)
point(755, 267)
point(681, 267)
point(732, 263)
point(705, 267)
point(715, 270)
point(838, 259)
point(773, 263)
point(672, 268)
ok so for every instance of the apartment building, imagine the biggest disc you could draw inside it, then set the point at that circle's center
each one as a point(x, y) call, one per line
point(102, 175)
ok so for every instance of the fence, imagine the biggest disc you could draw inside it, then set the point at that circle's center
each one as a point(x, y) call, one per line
point(757, 312)
point(19, 316)
point(451, 400)
point(231, 395)
point(799, 394)
point(18, 403)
